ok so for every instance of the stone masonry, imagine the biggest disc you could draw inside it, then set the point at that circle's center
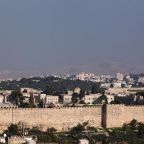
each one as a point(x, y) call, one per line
point(64, 118)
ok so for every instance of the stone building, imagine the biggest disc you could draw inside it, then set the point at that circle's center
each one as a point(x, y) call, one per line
point(89, 99)
point(51, 99)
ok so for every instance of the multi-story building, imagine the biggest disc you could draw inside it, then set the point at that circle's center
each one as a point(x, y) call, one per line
point(117, 84)
point(84, 76)
point(120, 76)
point(66, 99)
point(141, 80)
point(89, 99)
point(51, 99)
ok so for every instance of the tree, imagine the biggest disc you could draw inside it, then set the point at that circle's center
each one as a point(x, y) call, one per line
point(133, 124)
point(77, 129)
point(104, 99)
point(13, 129)
point(141, 130)
point(97, 89)
point(41, 104)
point(82, 102)
point(31, 102)
point(49, 90)
point(51, 130)
point(75, 98)
point(51, 133)
point(16, 98)
point(94, 89)
point(51, 105)
point(101, 100)
point(82, 94)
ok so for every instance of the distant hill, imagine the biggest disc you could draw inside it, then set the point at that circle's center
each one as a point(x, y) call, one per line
point(98, 68)
point(104, 68)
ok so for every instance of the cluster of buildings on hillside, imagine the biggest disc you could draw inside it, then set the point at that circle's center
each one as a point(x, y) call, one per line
point(57, 100)
point(65, 99)
point(116, 81)
point(120, 85)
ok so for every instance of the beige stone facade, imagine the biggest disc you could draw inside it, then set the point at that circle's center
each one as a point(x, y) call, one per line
point(65, 118)
point(60, 118)
point(117, 115)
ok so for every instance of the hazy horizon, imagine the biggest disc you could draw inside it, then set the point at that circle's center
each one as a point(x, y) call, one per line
point(66, 36)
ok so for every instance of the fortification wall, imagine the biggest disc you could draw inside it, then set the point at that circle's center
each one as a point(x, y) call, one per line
point(117, 115)
point(60, 118)
point(65, 118)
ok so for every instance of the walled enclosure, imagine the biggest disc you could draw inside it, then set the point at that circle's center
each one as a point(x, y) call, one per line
point(64, 118)
point(59, 118)
point(117, 115)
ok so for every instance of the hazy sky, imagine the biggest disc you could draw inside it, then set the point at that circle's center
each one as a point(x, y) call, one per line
point(46, 35)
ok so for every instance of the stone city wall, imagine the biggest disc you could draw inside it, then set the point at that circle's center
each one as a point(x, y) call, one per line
point(65, 118)
point(117, 115)
point(60, 118)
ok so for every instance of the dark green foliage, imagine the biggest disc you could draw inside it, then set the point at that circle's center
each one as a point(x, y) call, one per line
point(97, 89)
point(82, 94)
point(31, 102)
point(133, 124)
point(91, 128)
point(51, 130)
point(82, 102)
point(141, 130)
point(16, 97)
point(13, 129)
point(75, 98)
point(41, 104)
point(51, 105)
point(132, 133)
point(35, 131)
point(102, 99)
point(127, 100)
point(77, 129)
point(50, 85)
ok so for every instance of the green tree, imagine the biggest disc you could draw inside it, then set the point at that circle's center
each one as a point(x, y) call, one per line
point(31, 102)
point(101, 100)
point(82, 94)
point(51, 130)
point(13, 129)
point(133, 124)
point(97, 89)
point(16, 98)
point(77, 129)
point(41, 104)
point(141, 130)
point(75, 98)
point(104, 99)
point(51, 133)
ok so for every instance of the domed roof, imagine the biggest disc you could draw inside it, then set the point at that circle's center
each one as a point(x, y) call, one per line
point(77, 90)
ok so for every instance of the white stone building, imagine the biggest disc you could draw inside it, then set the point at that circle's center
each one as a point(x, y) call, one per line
point(83, 141)
point(120, 76)
point(117, 84)
point(66, 99)
point(89, 99)
point(51, 99)
point(141, 80)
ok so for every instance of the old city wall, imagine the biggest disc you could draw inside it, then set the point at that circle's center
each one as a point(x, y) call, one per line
point(60, 118)
point(65, 118)
point(117, 115)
